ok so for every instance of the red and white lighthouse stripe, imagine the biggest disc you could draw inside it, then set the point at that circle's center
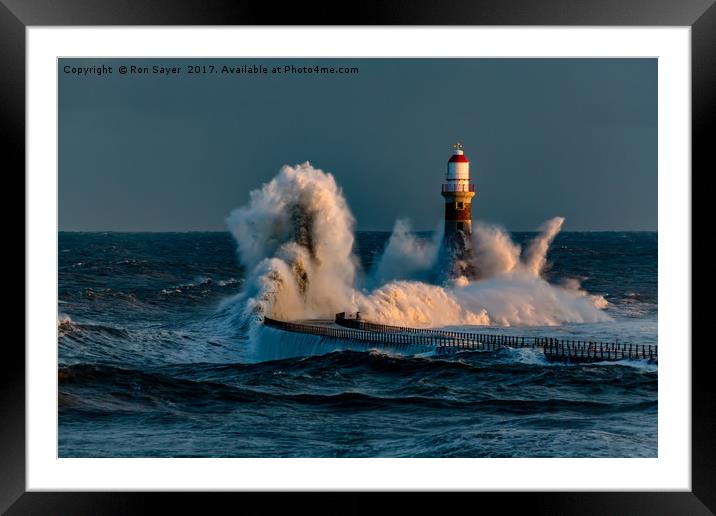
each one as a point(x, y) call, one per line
point(458, 169)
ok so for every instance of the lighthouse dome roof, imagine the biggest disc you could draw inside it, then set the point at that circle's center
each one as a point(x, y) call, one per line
point(458, 158)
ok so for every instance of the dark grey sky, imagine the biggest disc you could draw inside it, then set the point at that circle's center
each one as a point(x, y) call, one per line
point(545, 137)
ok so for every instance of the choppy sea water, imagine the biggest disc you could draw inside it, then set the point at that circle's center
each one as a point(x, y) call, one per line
point(149, 365)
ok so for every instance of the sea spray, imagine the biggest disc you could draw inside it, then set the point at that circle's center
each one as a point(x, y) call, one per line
point(514, 298)
point(494, 253)
point(534, 257)
point(414, 303)
point(295, 237)
point(406, 256)
point(507, 289)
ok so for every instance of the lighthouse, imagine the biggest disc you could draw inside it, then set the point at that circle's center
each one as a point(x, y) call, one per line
point(458, 193)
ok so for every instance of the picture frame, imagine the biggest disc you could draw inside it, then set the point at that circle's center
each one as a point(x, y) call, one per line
point(17, 15)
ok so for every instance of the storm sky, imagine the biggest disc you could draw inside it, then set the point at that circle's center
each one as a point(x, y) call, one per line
point(545, 137)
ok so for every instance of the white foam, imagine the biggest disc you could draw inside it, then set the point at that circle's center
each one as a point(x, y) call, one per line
point(295, 237)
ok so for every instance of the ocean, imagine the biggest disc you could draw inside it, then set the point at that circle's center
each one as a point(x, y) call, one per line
point(153, 360)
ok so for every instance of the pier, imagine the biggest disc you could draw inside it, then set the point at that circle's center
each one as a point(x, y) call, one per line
point(446, 342)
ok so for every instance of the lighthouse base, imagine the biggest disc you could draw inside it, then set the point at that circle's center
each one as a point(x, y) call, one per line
point(456, 256)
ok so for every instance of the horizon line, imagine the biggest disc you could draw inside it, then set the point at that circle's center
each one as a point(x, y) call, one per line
point(356, 230)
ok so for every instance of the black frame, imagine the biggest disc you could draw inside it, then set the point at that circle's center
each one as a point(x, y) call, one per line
point(16, 15)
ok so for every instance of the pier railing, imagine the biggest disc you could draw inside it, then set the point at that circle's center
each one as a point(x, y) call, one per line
point(445, 341)
point(360, 324)
point(554, 348)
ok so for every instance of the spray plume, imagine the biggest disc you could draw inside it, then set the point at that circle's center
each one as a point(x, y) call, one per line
point(295, 237)
point(407, 256)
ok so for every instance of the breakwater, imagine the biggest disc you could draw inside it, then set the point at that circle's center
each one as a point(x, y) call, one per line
point(446, 341)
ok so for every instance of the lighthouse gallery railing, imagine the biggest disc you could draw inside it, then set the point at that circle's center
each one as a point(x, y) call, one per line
point(457, 188)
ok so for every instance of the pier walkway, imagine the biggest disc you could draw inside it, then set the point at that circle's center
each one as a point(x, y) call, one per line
point(446, 341)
